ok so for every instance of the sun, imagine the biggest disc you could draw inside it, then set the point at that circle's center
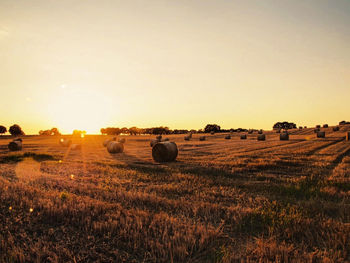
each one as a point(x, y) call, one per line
point(80, 109)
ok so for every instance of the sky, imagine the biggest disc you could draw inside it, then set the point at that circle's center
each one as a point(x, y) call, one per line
point(84, 64)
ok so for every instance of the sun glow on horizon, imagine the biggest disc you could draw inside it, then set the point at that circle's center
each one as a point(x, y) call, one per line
point(79, 109)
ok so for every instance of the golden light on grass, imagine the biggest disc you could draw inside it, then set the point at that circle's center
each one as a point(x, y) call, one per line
point(10, 208)
point(82, 135)
point(60, 161)
point(72, 176)
point(31, 210)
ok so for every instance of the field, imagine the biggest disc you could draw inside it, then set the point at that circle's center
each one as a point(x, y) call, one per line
point(221, 201)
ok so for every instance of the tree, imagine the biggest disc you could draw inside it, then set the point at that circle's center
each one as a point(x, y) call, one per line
point(2, 129)
point(212, 128)
point(284, 125)
point(55, 131)
point(16, 130)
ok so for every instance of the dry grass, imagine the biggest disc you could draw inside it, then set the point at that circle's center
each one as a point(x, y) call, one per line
point(221, 201)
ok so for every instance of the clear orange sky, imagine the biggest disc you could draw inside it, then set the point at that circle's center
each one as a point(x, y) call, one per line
point(184, 63)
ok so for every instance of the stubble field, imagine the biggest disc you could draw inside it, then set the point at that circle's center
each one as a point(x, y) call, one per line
point(221, 201)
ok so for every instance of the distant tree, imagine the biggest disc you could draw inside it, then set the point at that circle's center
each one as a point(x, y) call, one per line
point(45, 132)
point(2, 129)
point(16, 130)
point(134, 131)
point(212, 128)
point(284, 125)
point(55, 131)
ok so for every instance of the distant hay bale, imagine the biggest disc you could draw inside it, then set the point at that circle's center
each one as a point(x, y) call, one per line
point(115, 147)
point(228, 137)
point(305, 127)
point(261, 137)
point(336, 128)
point(159, 137)
point(212, 132)
point(65, 142)
point(15, 145)
point(122, 140)
point(348, 136)
point(154, 142)
point(260, 132)
point(325, 125)
point(284, 136)
point(243, 136)
point(321, 134)
point(164, 152)
point(187, 138)
point(202, 138)
point(300, 127)
point(105, 142)
point(75, 147)
point(318, 126)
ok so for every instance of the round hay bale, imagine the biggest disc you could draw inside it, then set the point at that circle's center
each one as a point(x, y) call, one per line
point(261, 137)
point(325, 125)
point(75, 147)
point(336, 128)
point(318, 126)
point(122, 140)
point(284, 136)
point(305, 127)
point(15, 145)
point(321, 134)
point(243, 136)
point(187, 138)
point(159, 137)
point(65, 142)
point(227, 137)
point(348, 136)
point(202, 138)
point(115, 147)
point(260, 132)
point(164, 152)
point(105, 142)
point(300, 127)
point(154, 142)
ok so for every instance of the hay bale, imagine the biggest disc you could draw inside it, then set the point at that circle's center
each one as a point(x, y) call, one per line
point(321, 134)
point(261, 137)
point(154, 142)
point(65, 142)
point(15, 145)
point(284, 136)
point(228, 137)
point(105, 142)
point(122, 140)
point(348, 136)
point(187, 138)
point(300, 127)
point(202, 138)
point(164, 152)
point(318, 126)
point(75, 147)
point(243, 136)
point(325, 125)
point(260, 132)
point(115, 147)
point(159, 137)
point(305, 127)
point(336, 128)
